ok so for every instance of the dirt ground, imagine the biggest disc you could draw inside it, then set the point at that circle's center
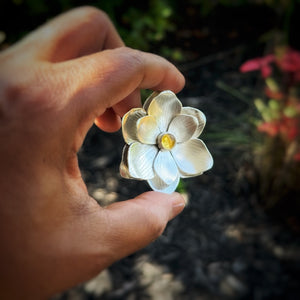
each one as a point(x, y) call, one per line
point(224, 245)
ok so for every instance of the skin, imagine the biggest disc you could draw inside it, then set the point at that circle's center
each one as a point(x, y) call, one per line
point(54, 85)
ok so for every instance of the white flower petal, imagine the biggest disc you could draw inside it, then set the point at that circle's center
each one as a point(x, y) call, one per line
point(164, 108)
point(199, 115)
point(147, 130)
point(124, 171)
point(183, 127)
point(158, 185)
point(124, 163)
point(165, 167)
point(129, 121)
point(140, 160)
point(149, 100)
point(192, 158)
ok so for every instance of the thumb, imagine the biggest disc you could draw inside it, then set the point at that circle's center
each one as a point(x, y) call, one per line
point(133, 224)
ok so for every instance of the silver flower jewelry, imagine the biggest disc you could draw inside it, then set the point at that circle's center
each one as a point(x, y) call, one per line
point(162, 144)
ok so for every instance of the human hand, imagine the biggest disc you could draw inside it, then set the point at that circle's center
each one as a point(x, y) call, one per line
point(54, 84)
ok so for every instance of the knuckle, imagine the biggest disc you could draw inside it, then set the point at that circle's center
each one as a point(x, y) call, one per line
point(95, 15)
point(87, 10)
point(13, 92)
point(134, 56)
point(23, 98)
point(131, 60)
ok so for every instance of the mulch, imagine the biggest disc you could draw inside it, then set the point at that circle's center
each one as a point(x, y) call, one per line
point(224, 245)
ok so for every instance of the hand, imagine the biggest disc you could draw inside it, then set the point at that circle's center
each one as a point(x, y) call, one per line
point(54, 84)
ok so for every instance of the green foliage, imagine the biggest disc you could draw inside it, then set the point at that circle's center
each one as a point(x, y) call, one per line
point(269, 111)
point(207, 6)
point(144, 25)
point(181, 188)
point(147, 26)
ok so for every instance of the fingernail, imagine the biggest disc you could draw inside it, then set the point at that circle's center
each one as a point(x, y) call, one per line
point(178, 203)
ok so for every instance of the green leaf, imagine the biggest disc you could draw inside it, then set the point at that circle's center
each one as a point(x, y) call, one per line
point(290, 112)
point(259, 104)
point(272, 84)
point(274, 105)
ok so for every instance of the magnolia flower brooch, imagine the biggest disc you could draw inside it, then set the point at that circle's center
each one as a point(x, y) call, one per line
point(162, 144)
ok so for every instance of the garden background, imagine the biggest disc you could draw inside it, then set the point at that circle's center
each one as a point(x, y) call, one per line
point(238, 238)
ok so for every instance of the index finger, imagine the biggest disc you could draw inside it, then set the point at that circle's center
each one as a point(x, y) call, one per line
point(102, 80)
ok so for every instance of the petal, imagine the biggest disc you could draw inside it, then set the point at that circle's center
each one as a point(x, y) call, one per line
point(183, 127)
point(266, 71)
point(124, 163)
point(164, 108)
point(147, 130)
point(199, 115)
point(129, 121)
point(251, 65)
point(149, 100)
point(192, 158)
point(165, 167)
point(140, 160)
point(159, 185)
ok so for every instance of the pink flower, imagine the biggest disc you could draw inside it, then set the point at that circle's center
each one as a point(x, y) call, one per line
point(259, 63)
point(289, 61)
point(289, 127)
point(271, 128)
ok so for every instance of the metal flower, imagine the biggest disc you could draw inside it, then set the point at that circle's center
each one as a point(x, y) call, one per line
point(162, 144)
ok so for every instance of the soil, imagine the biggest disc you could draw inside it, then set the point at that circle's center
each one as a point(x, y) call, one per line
point(224, 245)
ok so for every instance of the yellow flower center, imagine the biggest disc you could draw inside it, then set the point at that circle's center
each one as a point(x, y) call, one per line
point(166, 141)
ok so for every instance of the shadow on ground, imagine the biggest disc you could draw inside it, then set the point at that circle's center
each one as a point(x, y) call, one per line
point(223, 246)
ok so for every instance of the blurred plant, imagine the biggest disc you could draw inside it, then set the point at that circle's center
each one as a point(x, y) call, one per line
point(278, 160)
point(147, 24)
point(280, 6)
point(142, 25)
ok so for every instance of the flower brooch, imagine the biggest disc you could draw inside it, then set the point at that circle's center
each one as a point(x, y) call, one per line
point(162, 144)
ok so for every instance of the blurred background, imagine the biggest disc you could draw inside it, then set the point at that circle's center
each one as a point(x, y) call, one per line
point(238, 238)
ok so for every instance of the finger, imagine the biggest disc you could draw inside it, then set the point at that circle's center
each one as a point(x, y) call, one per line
point(131, 101)
point(102, 80)
point(133, 224)
point(110, 120)
point(78, 32)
